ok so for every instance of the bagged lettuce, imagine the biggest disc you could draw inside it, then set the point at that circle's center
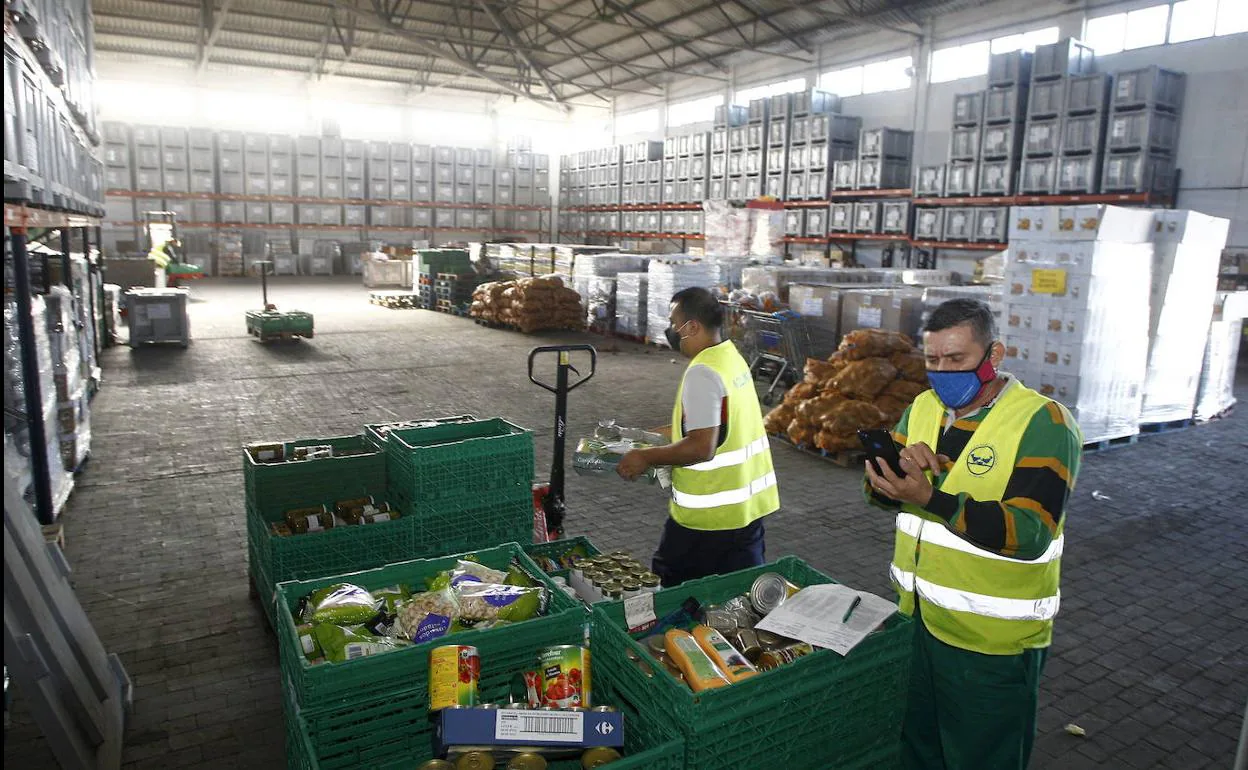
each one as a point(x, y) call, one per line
point(342, 643)
point(340, 603)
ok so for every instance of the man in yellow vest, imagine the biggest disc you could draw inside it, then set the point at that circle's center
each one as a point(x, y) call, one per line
point(723, 482)
point(988, 467)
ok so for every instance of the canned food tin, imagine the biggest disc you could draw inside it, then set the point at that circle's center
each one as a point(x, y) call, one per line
point(621, 556)
point(475, 760)
point(611, 589)
point(602, 561)
point(454, 671)
point(638, 570)
point(436, 764)
point(488, 706)
point(533, 688)
point(650, 583)
point(769, 641)
point(776, 658)
point(722, 620)
point(565, 676)
point(748, 644)
point(630, 586)
point(769, 591)
point(526, 761)
point(598, 756)
point(656, 645)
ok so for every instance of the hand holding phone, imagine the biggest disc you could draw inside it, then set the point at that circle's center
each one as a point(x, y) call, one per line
point(879, 446)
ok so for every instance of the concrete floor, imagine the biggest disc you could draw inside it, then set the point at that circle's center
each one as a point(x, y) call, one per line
point(1150, 652)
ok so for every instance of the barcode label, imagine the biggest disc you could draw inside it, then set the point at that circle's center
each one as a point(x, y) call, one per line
point(539, 726)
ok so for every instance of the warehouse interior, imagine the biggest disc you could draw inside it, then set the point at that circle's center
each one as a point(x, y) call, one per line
point(302, 293)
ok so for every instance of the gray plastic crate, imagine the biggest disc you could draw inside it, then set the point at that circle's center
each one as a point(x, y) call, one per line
point(799, 130)
point(777, 133)
point(755, 136)
point(885, 142)
point(736, 138)
point(730, 115)
point(1148, 129)
point(840, 129)
point(1137, 172)
point(991, 224)
point(795, 222)
point(1006, 104)
point(752, 162)
point(719, 139)
point(929, 181)
point(929, 223)
point(964, 143)
point(959, 224)
point(753, 188)
point(716, 189)
point(1065, 57)
point(876, 174)
point(996, 177)
point(818, 157)
point(256, 213)
point(961, 179)
point(1037, 176)
point(841, 218)
point(774, 185)
point(816, 185)
point(816, 223)
point(1042, 137)
point(719, 166)
point(968, 108)
point(845, 175)
point(795, 188)
point(895, 217)
point(353, 189)
point(1088, 94)
point(422, 217)
point(1083, 134)
point(866, 217)
point(1011, 68)
point(757, 110)
point(282, 213)
point(736, 188)
point(331, 215)
point(797, 159)
point(1149, 87)
point(1047, 98)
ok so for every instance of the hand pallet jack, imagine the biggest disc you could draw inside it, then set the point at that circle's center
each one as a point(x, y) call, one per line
point(270, 323)
point(548, 499)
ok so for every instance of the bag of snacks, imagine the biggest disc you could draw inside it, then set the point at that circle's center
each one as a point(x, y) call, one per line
point(340, 603)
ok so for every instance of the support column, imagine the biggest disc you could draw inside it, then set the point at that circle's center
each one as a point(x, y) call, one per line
point(39, 473)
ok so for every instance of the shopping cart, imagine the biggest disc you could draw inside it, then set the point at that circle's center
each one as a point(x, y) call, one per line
point(776, 346)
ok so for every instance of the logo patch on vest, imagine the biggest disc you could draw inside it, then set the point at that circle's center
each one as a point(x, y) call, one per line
point(981, 459)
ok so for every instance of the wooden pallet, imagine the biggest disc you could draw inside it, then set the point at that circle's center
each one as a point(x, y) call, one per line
point(844, 458)
point(1110, 443)
point(395, 300)
point(1153, 428)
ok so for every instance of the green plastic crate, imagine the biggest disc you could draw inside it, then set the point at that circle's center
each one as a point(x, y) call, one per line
point(271, 490)
point(458, 466)
point(820, 712)
point(394, 732)
point(499, 519)
point(540, 552)
point(376, 433)
point(430, 262)
point(336, 684)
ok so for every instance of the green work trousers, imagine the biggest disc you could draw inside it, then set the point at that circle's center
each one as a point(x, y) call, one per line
point(967, 710)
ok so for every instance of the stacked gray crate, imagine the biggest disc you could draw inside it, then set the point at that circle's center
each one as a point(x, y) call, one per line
point(829, 138)
point(377, 171)
point(961, 177)
point(146, 155)
point(332, 180)
point(1053, 69)
point(1143, 131)
point(256, 176)
point(282, 178)
point(1084, 121)
point(307, 179)
point(173, 160)
point(727, 117)
point(422, 177)
point(521, 163)
point(354, 180)
point(884, 158)
point(1005, 109)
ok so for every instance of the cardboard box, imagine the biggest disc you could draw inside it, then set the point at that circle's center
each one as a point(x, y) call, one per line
point(898, 310)
point(1179, 226)
point(816, 300)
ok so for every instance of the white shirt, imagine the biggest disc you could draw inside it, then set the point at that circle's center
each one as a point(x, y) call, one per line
point(702, 400)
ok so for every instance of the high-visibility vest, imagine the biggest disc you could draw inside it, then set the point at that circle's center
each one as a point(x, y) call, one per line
point(737, 485)
point(969, 597)
point(159, 256)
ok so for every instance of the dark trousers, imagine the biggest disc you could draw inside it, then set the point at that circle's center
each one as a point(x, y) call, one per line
point(967, 710)
point(685, 554)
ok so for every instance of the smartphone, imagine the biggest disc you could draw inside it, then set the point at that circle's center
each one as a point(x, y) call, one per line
point(879, 446)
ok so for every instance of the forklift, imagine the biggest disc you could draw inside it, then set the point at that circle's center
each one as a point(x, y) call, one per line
point(272, 324)
point(160, 229)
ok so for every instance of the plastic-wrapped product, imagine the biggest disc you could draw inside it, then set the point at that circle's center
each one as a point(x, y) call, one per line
point(630, 303)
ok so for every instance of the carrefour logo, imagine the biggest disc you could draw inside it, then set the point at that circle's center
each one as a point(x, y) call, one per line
point(981, 459)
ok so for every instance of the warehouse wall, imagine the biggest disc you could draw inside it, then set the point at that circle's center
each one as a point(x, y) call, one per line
point(1213, 138)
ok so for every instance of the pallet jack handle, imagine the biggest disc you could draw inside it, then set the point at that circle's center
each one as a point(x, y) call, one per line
point(264, 280)
point(553, 505)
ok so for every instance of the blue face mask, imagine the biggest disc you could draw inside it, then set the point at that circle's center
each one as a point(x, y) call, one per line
point(957, 389)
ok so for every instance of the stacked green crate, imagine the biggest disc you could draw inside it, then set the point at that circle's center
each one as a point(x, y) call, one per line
point(372, 712)
point(356, 470)
point(466, 485)
point(555, 557)
point(430, 262)
point(821, 712)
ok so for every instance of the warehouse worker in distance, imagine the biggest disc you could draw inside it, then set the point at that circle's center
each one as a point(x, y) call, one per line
point(723, 482)
point(162, 255)
point(978, 544)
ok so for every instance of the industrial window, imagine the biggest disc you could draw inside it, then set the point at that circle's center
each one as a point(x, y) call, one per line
point(1232, 17)
point(1025, 41)
point(888, 75)
point(772, 89)
point(637, 122)
point(961, 61)
point(694, 111)
point(1127, 31)
point(1192, 20)
point(843, 82)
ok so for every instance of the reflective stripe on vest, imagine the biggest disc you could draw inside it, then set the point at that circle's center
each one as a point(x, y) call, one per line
point(973, 598)
point(738, 484)
point(735, 457)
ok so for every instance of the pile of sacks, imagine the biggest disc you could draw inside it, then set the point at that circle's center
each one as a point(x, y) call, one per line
point(867, 383)
point(529, 304)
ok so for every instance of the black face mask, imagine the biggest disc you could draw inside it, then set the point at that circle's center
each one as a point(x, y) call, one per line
point(673, 336)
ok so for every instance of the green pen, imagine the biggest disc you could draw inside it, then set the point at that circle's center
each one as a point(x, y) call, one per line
point(852, 606)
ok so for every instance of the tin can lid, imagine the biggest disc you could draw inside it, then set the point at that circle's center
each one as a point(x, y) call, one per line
point(769, 591)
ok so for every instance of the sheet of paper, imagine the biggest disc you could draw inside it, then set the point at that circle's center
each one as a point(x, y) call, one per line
point(813, 615)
